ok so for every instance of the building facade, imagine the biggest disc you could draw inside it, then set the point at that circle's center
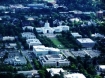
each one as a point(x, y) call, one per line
point(51, 30)
point(55, 60)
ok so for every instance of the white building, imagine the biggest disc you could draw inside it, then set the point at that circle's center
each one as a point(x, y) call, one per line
point(54, 71)
point(75, 19)
point(74, 75)
point(28, 27)
point(76, 35)
point(33, 42)
point(97, 35)
point(28, 35)
point(101, 68)
point(12, 45)
point(42, 50)
point(55, 60)
point(8, 38)
point(86, 42)
point(48, 29)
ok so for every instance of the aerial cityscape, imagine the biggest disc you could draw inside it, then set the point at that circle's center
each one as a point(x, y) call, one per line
point(52, 38)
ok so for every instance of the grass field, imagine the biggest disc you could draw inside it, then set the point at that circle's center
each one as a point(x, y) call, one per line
point(57, 43)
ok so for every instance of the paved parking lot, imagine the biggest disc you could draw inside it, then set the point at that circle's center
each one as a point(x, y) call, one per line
point(79, 53)
point(29, 55)
point(82, 53)
point(93, 53)
point(66, 52)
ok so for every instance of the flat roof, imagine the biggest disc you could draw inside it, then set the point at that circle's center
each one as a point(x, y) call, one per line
point(75, 34)
point(43, 48)
point(74, 75)
point(40, 48)
point(85, 40)
point(53, 56)
point(102, 66)
point(54, 71)
point(27, 72)
point(33, 41)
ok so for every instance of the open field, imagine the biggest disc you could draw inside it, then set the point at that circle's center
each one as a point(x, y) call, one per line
point(57, 43)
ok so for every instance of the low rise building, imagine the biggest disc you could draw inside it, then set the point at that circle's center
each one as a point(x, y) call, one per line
point(54, 71)
point(28, 35)
point(30, 74)
point(86, 42)
point(55, 60)
point(99, 14)
point(76, 35)
point(10, 45)
point(101, 68)
point(33, 42)
point(28, 27)
point(74, 75)
point(58, 71)
point(97, 35)
point(42, 50)
point(8, 38)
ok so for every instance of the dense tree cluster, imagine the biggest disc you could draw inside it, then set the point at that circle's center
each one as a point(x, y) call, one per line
point(46, 41)
point(68, 40)
point(83, 5)
point(11, 75)
point(15, 1)
point(84, 65)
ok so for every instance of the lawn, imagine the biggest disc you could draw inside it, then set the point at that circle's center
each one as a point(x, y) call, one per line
point(57, 43)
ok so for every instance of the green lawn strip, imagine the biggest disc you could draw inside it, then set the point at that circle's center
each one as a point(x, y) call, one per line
point(57, 43)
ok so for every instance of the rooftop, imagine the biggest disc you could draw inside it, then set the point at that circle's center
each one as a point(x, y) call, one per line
point(102, 66)
point(43, 48)
point(85, 40)
point(75, 34)
point(54, 57)
point(74, 75)
point(33, 41)
point(54, 71)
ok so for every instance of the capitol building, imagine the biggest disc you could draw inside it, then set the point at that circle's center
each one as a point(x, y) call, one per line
point(51, 30)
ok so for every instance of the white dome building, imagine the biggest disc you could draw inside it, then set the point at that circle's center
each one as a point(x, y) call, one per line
point(51, 30)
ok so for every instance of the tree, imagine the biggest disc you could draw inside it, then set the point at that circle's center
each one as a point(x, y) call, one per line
point(20, 76)
point(42, 73)
point(56, 76)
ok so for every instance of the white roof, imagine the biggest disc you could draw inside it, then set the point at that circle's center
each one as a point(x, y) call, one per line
point(74, 75)
point(75, 19)
point(54, 71)
point(102, 66)
point(28, 72)
point(100, 11)
point(43, 48)
point(97, 35)
point(28, 34)
point(76, 34)
point(85, 40)
point(40, 48)
point(33, 41)
point(30, 18)
point(29, 27)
